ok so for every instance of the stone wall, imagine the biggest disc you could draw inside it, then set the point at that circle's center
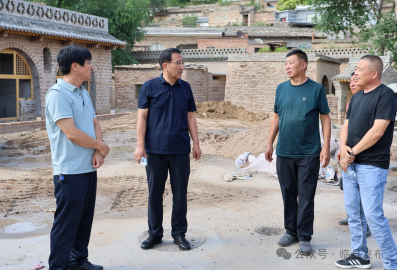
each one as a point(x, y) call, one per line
point(27, 110)
point(167, 41)
point(216, 87)
point(265, 17)
point(127, 78)
point(333, 106)
point(225, 42)
point(215, 67)
point(253, 78)
point(32, 52)
point(222, 16)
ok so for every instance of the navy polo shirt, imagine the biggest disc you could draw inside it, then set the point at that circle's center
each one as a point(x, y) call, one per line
point(167, 129)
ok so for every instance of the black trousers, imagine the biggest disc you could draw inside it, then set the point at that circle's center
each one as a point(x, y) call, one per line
point(157, 173)
point(70, 234)
point(298, 181)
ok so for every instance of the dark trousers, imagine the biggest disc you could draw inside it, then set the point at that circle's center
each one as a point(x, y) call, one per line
point(70, 234)
point(157, 173)
point(298, 181)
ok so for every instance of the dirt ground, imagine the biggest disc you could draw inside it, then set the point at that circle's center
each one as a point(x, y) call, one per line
point(239, 221)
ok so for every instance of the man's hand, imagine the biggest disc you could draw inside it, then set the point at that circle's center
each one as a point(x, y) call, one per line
point(269, 152)
point(346, 154)
point(97, 159)
point(344, 165)
point(104, 150)
point(139, 153)
point(324, 157)
point(196, 152)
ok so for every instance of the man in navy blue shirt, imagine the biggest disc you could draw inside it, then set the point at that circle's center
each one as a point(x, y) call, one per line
point(165, 118)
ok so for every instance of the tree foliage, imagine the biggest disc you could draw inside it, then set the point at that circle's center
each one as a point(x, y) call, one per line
point(291, 4)
point(125, 19)
point(366, 20)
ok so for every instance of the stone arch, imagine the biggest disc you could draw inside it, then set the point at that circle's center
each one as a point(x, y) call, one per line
point(325, 83)
point(33, 62)
point(47, 61)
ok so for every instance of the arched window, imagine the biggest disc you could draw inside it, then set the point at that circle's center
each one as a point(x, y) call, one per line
point(47, 60)
point(16, 83)
point(325, 84)
point(156, 47)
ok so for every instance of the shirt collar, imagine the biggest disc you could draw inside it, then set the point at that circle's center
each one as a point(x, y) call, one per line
point(69, 86)
point(179, 81)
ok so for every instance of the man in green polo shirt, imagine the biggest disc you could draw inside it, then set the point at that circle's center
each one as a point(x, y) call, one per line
point(298, 103)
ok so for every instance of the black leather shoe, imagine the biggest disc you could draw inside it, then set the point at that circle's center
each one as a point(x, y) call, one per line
point(182, 243)
point(87, 266)
point(150, 242)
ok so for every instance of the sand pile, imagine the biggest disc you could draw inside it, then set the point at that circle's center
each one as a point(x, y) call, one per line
point(253, 140)
point(225, 110)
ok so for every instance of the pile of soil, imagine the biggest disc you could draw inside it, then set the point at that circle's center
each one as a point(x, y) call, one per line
point(253, 140)
point(226, 110)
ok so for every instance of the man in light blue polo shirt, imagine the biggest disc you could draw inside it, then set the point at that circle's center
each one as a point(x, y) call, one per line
point(77, 150)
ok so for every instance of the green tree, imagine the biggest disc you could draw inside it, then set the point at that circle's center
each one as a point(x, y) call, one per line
point(125, 17)
point(351, 16)
point(291, 4)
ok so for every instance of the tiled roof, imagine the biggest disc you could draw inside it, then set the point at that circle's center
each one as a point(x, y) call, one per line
point(51, 29)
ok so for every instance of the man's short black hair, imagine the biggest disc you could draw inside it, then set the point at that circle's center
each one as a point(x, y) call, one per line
point(375, 62)
point(301, 55)
point(70, 54)
point(166, 55)
point(353, 74)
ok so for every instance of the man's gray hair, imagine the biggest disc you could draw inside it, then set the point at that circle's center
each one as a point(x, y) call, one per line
point(375, 63)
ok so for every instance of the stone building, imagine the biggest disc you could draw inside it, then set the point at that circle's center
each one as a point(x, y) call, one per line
point(31, 36)
point(252, 79)
point(342, 83)
point(129, 80)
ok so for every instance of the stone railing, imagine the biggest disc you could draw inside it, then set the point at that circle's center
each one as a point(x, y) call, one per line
point(52, 14)
point(190, 54)
point(339, 52)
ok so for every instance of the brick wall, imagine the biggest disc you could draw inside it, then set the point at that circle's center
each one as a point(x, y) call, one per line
point(225, 42)
point(216, 88)
point(125, 97)
point(32, 51)
point(32, 125)
point(167, 41)
point(27, 110)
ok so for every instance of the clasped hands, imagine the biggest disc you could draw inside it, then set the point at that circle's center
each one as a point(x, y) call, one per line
point(98, 158)
point(345, 157)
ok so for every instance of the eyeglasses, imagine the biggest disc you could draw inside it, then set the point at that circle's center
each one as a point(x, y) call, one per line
point(177, 63)
point(90, 62)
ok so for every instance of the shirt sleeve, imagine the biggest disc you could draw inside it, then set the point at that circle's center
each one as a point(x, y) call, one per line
point(322, 102)
point(58, 106)
point(275, 101)
point(192, 105)
point(386, 107)
point(143, 99)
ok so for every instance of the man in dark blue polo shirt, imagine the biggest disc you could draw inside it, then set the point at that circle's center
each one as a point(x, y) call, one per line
point(165, 118)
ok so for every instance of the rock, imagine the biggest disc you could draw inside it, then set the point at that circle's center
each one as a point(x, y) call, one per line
point(210, 110)
point(204, 114)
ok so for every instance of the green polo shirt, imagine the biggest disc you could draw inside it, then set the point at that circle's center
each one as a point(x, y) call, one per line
point(298, 108)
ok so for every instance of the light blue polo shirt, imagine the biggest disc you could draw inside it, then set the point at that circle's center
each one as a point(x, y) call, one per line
point(64, 100)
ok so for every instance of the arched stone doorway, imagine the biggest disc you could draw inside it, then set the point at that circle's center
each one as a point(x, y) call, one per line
point(20, 87)
point(325, 83)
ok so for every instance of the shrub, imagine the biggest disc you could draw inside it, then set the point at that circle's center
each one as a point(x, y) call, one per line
point(281, 49)
point(264, 49)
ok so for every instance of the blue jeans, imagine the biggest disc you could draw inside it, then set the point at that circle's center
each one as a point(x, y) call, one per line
point(368, 188)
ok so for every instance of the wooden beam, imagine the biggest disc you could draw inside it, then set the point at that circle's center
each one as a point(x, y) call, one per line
point(110, 48)
point(93, 46)
point(66, 42)
point(3, 33)
point(37, 38)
